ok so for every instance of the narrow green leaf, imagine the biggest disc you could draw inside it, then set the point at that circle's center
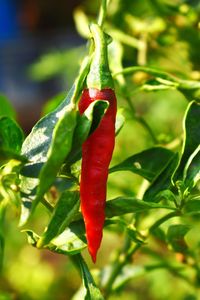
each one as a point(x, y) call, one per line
point(191, 174)
point(134, 235)
point(69, 242)
point(6, 155)
point(127, 273)
point(28, 192)
point(11, 139)
point(92, 292)
point(63, 214)
point(159, 234)
point(167, 195)
point(60, 147)
point(53, 103)
point(162, 181)
point(120, 120)
point(121, 205)
point(32, 237)
point(192, 207)
point(148, 163)
point(175, 236)
point(191, 142)
point(6, 108)
point(86, 124)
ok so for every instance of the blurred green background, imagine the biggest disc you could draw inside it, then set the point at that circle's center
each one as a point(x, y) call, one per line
point(159, 33)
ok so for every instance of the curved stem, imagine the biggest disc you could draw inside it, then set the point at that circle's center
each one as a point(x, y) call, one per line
point(164, 219)
point(118, 265)
point(151, 71)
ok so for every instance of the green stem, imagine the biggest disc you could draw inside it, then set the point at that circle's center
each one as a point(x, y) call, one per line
point(128, 251)
point(142, 51)
point(126, 39)
point(164, 219)
point(99, 76)
point(122, 260)
point(87, 61)
point(151, 71)
point(102, 12)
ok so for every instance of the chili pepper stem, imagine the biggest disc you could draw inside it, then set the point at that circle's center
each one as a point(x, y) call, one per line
point(99, 76)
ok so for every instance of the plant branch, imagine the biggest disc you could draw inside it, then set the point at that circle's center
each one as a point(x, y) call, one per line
point(151, 71)
point(164, 219)
point(121, 261)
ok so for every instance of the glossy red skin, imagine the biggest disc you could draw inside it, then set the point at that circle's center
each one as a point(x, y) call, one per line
point(96, 156)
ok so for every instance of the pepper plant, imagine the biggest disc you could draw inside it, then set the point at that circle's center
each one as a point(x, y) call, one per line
point(157, 212)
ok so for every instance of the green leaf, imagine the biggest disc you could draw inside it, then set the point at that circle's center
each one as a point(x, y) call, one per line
point(60, 147)
point(134, 234)
point(192, 207)
point(53, 103)
point(162, 181)
point(86, 124)
point(175, 236)
point(190, 144)
point(92, 292)
point(35, 148)
point(127, 273)
point(63, 214)
point(69, 242)
point(32, 237)
point(167, 195)
point(6, 108)
point(28, 192)
point(11, 139)
point(191, 174)
point(9, 154)
point(190, 89)
point(57, 62)
point(148, 163)
point(124, 205)
point(120, 120)
point(159, 234)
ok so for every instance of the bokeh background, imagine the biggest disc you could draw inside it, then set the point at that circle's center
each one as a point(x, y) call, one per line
point(28, 29)
point(40, 53)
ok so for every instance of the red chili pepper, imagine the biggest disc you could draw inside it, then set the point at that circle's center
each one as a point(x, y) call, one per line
point(98, 148)
point(96, 156)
